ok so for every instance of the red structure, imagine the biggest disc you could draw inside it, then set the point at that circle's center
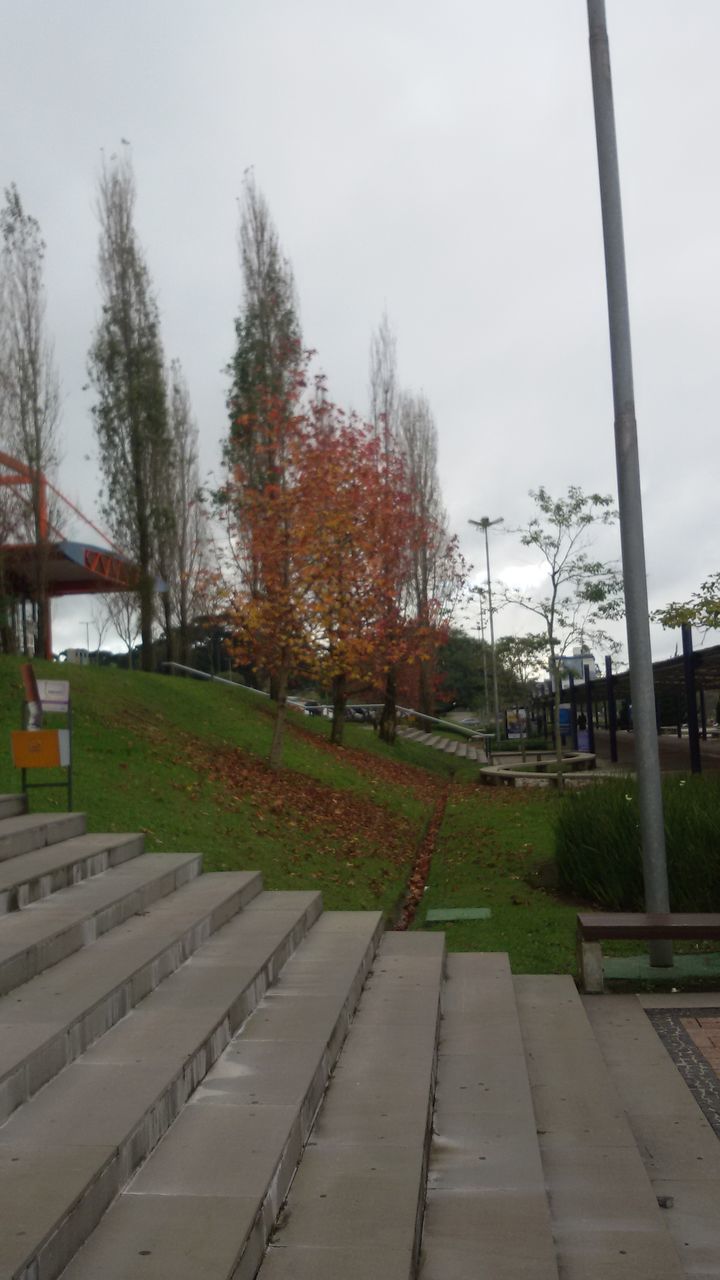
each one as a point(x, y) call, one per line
point(47, 569)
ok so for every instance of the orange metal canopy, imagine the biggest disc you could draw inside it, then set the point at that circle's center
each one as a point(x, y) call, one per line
point(66, 568)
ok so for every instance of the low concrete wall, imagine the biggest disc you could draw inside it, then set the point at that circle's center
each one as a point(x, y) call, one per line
point(580, 770)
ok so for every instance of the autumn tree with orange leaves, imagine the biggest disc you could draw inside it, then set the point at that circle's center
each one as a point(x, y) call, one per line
point(265, 502)
point(360, 529)
point(320, 550)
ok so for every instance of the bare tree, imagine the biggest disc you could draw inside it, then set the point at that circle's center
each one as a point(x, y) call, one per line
point(29, 383)
point(127, 371)
point(102, 623)
point(437, 572)
point(404, 423)
point(383, 383)
point(185, 564)
point(124, 615)
point(581, 593)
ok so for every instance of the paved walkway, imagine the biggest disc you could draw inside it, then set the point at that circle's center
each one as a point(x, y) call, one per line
point(674, 752)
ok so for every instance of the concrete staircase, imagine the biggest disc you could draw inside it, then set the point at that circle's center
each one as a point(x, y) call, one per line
point(202, 1079)
point(469, 750)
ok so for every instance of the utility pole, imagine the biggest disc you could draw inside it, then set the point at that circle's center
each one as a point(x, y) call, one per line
point(652, 830)
point(485, 523)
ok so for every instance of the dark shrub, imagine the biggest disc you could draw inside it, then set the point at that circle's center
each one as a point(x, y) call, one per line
point(597, 844)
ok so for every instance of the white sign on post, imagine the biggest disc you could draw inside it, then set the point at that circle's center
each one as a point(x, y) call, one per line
point(54, 695)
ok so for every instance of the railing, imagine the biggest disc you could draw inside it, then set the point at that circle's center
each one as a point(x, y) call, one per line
point(207, 675)
point(369, 706)
point(446, 724)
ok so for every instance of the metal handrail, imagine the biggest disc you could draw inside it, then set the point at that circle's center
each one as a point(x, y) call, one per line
point(452, 724)
point(207, 675)
point(406, 711)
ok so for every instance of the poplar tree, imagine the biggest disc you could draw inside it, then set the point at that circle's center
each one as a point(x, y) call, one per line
point(29, 382)
point(266, 371)
point(126, 369)
point(268, 356)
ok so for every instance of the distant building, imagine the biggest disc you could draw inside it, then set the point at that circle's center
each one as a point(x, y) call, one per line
point(80, 657)
point(575, 663)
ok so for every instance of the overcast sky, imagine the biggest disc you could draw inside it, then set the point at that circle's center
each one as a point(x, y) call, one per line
point(434, 160)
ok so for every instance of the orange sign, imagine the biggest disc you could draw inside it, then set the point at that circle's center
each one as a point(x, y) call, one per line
point(40, 748)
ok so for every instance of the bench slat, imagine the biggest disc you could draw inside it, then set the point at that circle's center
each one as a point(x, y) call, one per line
point(638, 924)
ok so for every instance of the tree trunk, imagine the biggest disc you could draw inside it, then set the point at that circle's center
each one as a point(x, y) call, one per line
point(388, 719)
point(427, 700)
point(556, 716)
point(145, 592)
point(339, 697)
point(169, 632)
point(276, 748)
point(184, 643)
point(523, 741)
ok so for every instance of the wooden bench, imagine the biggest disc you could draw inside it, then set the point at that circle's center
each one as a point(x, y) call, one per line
point(594, 926)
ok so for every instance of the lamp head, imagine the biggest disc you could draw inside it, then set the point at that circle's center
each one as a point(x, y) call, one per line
point(486, 522)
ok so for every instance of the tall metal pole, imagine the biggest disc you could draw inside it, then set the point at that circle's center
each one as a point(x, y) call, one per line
point(484, 654)
point(485, 524)
point(647, 758)
point(496, 700)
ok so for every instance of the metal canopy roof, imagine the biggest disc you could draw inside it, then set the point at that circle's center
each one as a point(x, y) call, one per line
point(667, 674)
point(67, 568)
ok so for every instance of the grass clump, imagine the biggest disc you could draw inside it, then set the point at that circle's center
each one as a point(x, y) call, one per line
point(597, 844)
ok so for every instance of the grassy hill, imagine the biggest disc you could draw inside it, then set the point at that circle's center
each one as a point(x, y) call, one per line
point(184, 761)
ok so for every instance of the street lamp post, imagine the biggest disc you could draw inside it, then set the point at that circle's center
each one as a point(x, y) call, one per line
point(485, 523)
point(486, 700)
point(652, 829)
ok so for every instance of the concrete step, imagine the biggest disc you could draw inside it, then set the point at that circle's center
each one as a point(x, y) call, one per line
point(65, 1154)
point(487, 1212)
point(59, 1014)
point(606, 1219)
point(13, 805)
point(678, 1147)
point(35, 875)
point(29, 831)
point(356, 1205)
point(462, 750)
point(205, 1202)
point(46, 932)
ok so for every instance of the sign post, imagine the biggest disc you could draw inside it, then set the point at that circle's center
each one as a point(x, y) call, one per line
point(38, 747)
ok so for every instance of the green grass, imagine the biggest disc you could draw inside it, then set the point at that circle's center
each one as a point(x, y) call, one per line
point(493, 850)
point(185, 762)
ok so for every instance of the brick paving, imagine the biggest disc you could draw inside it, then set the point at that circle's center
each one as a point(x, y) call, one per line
point(692, 1038)
point(705, 1035)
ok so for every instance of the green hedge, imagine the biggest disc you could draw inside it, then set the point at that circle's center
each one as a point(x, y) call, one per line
point(597, 844)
